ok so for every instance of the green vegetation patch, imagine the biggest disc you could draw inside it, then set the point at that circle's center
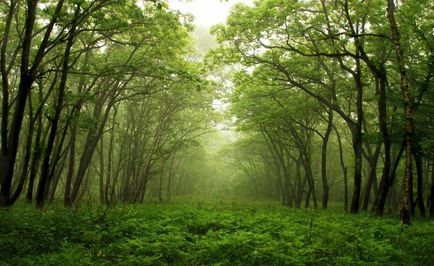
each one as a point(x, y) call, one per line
point(194, 234)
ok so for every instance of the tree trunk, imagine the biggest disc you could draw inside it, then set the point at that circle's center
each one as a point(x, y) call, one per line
point(386, 178)
point(325, 140)
point(45, 179)
point(408, 128)
point(357, 139)
point(344, 169)
point(372, 177)
point(101, 170)
point(298, 185)
point(419, 171)
point(35, 161)
point(27, 157)
point(431, 208)
point(9, 151)
point(71, 165)
point(110, 158)
point(89, 147)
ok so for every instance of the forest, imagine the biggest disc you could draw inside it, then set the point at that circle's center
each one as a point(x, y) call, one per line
point(297, 132)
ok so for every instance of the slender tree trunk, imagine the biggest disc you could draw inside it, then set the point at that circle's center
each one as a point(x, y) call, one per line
point(101, 170)
point(299, 186)
point(44, 181)
point(35, 160)
point(373, 160)
point(344, 169)
point(357, 141)
point(386, 179)
point(56, 173)
point(325, 140)
point(91, 141)
point(170, 177)
point(110, 157)
point(408, 128)
point(357, 147)
point(431, 208)
point(71, 166)
point(419, 171)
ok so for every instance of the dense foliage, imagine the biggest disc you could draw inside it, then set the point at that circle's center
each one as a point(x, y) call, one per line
point(333, 94)
point(97, 96)
point(209, 233)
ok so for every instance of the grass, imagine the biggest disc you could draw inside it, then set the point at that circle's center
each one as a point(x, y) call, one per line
point(192, 232)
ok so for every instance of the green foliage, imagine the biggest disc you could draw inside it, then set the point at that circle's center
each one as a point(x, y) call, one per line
point(260, 233)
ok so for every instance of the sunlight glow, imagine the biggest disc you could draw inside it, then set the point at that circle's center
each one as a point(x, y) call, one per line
point(207, 12)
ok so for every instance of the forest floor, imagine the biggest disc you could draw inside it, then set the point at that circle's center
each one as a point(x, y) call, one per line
point(205, 233)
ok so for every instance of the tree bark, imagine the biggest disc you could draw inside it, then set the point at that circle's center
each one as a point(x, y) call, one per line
point(101, 170)
point(44, 181)
point(419, 172)
point(431, 208)
point(372, 161)
point(325, 140)
point(71, 166)
point(9, 151)
point(408, 127)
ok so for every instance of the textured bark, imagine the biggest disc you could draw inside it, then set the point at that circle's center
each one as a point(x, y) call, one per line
point(9, 150)
point(408, 112)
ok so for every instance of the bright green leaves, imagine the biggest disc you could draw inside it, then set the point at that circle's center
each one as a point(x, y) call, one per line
point(209, 233)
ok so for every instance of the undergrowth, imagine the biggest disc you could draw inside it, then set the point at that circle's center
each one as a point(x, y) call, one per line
point(208, 234)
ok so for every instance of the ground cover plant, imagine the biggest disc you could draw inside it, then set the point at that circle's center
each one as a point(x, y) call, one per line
point(198, 233)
